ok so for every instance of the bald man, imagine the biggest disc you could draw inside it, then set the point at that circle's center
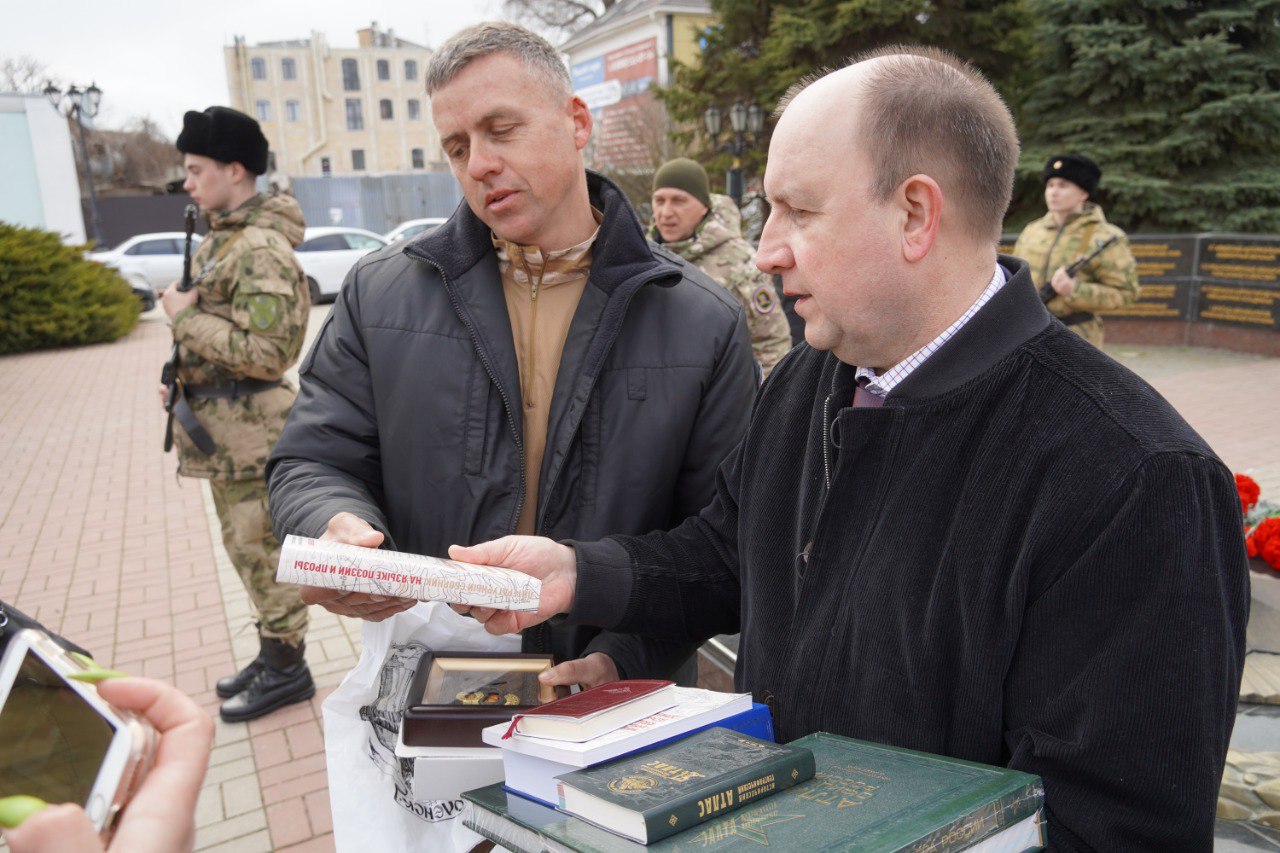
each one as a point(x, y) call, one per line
point(1004, 546)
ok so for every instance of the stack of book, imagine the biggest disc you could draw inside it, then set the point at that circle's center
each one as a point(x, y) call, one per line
point(538, 747)
point(701, 772)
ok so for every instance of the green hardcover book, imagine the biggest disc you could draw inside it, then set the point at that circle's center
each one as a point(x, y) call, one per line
point(657, 793)
point(863, 797)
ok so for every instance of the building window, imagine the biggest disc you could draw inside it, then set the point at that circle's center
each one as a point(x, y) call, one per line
point(292, 109)
point(384, 69)
point(411, 69)
point(357, 159)
point(258, 67)
point(288, 69)
point(384, 107)
point(415, 109)
point(262, 109)
point(418, 160)
point(350, 76)
point(355, 115)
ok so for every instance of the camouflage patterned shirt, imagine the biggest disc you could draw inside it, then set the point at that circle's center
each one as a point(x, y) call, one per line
point(717, 248)
point(1107, 282)
point(250, 322)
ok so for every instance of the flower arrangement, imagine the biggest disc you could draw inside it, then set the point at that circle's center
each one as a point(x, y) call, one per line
point(1262, 522)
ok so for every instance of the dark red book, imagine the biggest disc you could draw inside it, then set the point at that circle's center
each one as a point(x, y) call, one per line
point(593, 712)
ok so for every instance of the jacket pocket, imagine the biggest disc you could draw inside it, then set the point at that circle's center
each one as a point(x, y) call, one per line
point(589, 451)
point(475, 424)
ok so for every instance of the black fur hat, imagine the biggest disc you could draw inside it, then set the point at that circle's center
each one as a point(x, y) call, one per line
point(226, 135)
point(1076, 168)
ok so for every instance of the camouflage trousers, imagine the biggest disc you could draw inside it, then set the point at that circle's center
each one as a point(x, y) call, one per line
point(255, 551)
point(1090, 330)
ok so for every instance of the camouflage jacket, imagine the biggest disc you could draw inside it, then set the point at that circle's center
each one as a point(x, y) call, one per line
point(717, 248)
point(249, 323)
point(1107, 282)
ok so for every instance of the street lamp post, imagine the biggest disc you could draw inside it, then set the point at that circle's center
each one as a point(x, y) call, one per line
point(746, 120)
point(81, 103)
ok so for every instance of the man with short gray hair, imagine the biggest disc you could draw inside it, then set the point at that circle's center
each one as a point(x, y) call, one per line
point(1004, 546)
point(533, 365)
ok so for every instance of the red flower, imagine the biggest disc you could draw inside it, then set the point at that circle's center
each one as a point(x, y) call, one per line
point(1264, 541)
point(1248, 491)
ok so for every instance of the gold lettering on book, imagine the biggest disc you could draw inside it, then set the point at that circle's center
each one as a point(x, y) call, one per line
point(756, 788)
point(663, 770)
point(839, 791)
point(751, 824)
point(715, 803)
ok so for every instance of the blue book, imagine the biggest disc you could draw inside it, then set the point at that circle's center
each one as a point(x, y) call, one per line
point(530, 765)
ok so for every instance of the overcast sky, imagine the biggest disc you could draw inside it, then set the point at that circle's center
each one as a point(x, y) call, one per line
point(160, 59)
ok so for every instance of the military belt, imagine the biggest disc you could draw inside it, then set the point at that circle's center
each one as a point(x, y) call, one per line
point(1077, 318)
point(230, 390)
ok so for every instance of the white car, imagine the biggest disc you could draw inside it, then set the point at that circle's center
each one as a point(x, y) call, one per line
point(149, 262)
point(329, 252)
point(413, 228)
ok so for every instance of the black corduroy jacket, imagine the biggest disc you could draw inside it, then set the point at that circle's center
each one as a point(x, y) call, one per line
point(1024, 558)
point(409, 410)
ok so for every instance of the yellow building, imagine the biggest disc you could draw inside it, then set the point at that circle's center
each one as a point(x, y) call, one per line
point(340, 111)
point(617, 59)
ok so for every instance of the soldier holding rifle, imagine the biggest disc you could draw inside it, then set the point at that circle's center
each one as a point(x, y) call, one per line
point(238, 325)
point(1074, 230)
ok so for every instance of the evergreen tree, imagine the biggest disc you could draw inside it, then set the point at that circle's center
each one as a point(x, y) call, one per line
point(1175, 99)
point(760, 48)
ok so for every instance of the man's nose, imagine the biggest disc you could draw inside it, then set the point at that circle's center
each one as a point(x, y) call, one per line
point(482, 162)
point(772, 255)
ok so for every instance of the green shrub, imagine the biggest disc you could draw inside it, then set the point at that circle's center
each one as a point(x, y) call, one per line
point(51, 295)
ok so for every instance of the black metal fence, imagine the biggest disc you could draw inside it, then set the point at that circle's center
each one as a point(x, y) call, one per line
point(376, 203)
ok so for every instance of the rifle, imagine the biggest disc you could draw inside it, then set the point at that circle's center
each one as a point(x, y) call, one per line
point(1047, 293)
point(169, 373)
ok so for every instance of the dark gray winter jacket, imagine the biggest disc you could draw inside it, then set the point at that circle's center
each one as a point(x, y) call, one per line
point(409, 408)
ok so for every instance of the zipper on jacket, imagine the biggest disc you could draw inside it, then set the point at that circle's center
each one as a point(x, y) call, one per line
point(531, 346)
point(826, 433)
point(493, 376)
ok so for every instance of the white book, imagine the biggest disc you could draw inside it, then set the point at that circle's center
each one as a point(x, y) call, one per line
point(336, 565)
point(531, 764)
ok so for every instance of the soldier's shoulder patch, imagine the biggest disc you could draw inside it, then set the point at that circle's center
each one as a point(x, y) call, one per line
point(763, 299)
point(264, 311)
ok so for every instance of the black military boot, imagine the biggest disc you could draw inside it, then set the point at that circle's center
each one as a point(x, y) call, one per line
point(233, 684)
point(283, 680)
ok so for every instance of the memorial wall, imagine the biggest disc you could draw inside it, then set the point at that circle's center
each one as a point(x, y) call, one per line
point(1201, 290)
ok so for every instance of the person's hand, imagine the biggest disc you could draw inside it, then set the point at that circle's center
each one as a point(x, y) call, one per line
point(175, 300)
point(353, 530)
point(164, 394)
point(549, 561)
point(1063, 284)
point(161, 815)
point(591, 671)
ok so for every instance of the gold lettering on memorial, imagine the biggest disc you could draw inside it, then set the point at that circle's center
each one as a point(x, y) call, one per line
point(1241, 271)
point(1152, 269)
point(1253, 316)
point(1241, 294)
point(1245, 252)
point(1144, 251)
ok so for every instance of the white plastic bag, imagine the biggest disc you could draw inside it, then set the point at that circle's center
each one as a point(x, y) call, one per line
point(370, 789)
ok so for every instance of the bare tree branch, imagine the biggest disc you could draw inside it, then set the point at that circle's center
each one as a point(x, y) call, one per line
point(24, 75)
point(557, 18)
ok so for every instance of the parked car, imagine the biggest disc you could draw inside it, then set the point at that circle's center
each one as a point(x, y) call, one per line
point(412, 228)
point(329, 252)
point(149, 262)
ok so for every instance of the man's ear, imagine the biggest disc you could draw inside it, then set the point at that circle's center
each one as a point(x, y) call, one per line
point(582, 121)
point(920, 199)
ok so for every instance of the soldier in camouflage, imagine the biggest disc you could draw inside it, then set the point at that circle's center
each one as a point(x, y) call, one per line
point(706, 231)
point(238, 330)
point(1070, 231)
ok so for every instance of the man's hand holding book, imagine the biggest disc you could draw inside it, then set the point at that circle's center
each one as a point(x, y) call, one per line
point(552, 563)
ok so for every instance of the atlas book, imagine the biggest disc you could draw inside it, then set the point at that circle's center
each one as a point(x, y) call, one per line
point(531, 765)
point(660, 792)
point(863, 797)
point(594, 711)
point(337, 565)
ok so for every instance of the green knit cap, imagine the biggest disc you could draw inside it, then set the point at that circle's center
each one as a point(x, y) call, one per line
point(684, 174)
